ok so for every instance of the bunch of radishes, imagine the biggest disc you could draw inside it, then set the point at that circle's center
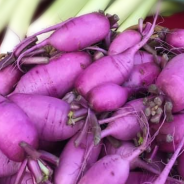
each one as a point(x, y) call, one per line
point(108, 104)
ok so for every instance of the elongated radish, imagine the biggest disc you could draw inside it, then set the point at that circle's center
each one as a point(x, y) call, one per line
point(112, 168)
point(27, 179)
point(7, 167)
point(9, 77)
point(128, 124)
point(126, 148)
point(72, 158)
point(114, 68)
point(55, 78)
point(15, 127)
point(170, 134)
point(142, 177)
point(108, 97)
point(172, 87)
point(161, 179)
point(142, 76)
point(124, 41)
point(144, 57)
point(51, 121)
point(175, 40)
point(76, 33)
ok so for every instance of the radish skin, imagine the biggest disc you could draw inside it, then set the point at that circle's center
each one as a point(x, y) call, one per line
point(124, 41)
point(107, 97)
point(27, 179)
point(75, 34)
point(51, 121)
point(170, 134)
point(9, 77)
point(171, 82)
point(15, 127)
point(55, 78)
point(71, 160)
point(8, 167)
point(114, 68)
point(127, 126)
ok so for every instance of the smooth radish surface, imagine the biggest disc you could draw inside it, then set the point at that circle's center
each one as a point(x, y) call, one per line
point(71, 160)
point(175, 40)
point(143, 75)
point(55, 78)
point(76, 33)
point(124, 41)
point(161, 179)
point(9, 77)
point(141, 177)
point(51, 121)
point(112, 168)
point(109, 169)
point(171, 82)
point(127, 148)
point(27, 179)
point(143, 57)
point(15, 127)
point(7, 167)
point(114, 68)
point(107, 97)
point(127, 126)
point(170, 133)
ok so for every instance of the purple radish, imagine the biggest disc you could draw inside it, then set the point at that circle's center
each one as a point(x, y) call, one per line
point(72, 158)
point(127, 148)
point(161, 179)
point(171, 82)
point(147, 178)
point(144, 57)
point(170, 134)
point(124, 41)
point(15, 127)
point(55, 78)
point(51, 121)
point(114, 68)
point(9, 77)
point(180, 167)
point(8, 167)
point(112, 168)
point(175, 40)
point(27, 179)
point(142, 76)
point(75, 34)
point(107, 97)
point(127, 125)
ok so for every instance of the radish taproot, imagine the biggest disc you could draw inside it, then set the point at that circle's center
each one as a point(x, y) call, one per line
point(125, 123)
point(113, 168)
point(9, 77)
point(72, 158)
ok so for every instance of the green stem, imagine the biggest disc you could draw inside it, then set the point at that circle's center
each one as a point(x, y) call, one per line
point(123, 8)
point(18, 24)
point(59, 11)
point(141, 12)
point(93, 5)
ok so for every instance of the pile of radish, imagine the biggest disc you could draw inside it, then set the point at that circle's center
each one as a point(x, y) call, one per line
point(93, 105)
